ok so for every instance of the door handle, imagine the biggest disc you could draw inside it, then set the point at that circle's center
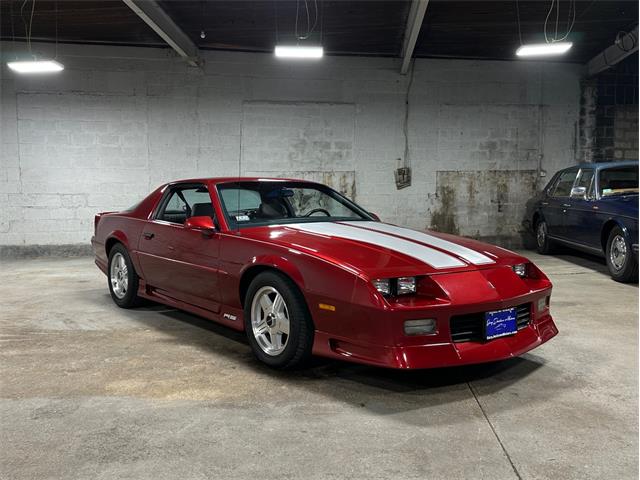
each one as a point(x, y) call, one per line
point(544, 203)
point(148, 235)
point(566, 205)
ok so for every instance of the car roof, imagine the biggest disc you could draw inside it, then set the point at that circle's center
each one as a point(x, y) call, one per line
point(601, 165)
point(219, 180)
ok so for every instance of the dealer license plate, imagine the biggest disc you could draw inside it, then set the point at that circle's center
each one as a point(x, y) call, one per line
point(500, 323)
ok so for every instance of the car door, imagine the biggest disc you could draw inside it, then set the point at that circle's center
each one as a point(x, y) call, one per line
point(580, 218)
point(177, 262)
point(558, 202)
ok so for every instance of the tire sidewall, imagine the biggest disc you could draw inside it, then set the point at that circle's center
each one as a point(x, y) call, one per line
point(131, 297)
point(299, 320)
point(544, 248)
point(628, 271)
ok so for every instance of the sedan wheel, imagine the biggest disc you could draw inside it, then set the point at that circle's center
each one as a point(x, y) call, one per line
point(618, 252)
point(270, 320)
point(277, 321)
point(622, 263)
point(543, 244)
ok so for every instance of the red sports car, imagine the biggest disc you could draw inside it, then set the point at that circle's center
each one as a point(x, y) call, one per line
point(304, 270)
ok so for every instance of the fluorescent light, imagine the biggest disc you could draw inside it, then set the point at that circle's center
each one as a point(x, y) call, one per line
point(541, 49)
point(296, 51)
point(36, 66)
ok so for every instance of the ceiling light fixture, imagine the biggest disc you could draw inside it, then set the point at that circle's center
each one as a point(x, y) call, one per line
point(36, 66)
point(298, 51)
point(543, 49)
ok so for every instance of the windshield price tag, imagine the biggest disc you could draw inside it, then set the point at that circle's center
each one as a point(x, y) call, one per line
point(242, 218)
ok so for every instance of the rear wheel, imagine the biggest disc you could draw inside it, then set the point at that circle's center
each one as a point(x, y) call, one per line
point(123, 279)
point(543, 243)
point(622, 264)
point(277, 321)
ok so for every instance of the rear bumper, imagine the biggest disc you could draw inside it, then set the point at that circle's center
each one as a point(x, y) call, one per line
point(436, 355)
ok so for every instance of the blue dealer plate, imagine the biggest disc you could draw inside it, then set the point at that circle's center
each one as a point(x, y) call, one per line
point(500, 323)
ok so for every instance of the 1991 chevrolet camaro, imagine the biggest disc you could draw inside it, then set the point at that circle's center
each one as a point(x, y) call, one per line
point(303, 270)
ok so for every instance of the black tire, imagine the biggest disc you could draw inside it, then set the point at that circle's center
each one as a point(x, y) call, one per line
point(129, 298)
point(299, 341)
point(621, 261)
point(544, 245)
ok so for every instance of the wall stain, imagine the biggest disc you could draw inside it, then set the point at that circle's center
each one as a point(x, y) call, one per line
point(443, 219)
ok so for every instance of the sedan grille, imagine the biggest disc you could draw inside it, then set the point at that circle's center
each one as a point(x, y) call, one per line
point(470, 327)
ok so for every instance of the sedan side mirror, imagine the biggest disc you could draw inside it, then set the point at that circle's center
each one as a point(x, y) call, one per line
point(203, 223)
point(579, 192)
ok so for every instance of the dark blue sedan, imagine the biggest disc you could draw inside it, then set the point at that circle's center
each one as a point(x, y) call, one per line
point(591, 207)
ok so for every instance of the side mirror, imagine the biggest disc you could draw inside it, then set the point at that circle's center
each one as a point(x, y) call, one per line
point(579, 192)
point(376, 217)
point(204, 223)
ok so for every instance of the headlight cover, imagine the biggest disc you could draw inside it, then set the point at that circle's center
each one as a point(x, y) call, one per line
point(395, 286)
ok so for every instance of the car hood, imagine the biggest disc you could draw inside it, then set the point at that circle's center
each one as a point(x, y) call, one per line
point(379, 249)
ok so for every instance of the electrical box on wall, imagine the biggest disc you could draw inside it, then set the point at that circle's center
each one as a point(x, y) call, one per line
point(403, 177)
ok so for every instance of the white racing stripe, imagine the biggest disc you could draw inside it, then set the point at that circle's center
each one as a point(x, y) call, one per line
point(467, 254)
point(430, 256)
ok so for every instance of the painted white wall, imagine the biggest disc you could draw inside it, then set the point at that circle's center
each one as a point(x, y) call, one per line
point(119, 121)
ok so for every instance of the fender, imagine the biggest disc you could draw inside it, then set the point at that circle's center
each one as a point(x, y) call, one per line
point(279, 263)
point(120, 236)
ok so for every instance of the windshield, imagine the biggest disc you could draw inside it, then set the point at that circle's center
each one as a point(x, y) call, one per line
point(618, 181)
point(254, 203)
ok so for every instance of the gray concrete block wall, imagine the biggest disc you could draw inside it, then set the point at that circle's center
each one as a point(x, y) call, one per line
point(119, 121)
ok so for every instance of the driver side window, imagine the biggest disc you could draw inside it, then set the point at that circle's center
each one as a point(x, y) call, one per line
point(186, 202)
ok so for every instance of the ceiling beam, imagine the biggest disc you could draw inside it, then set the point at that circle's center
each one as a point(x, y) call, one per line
point(412, 30)
point(613, 53)
point(154, 16)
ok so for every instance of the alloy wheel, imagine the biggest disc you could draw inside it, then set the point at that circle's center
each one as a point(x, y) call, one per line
point(270, 320)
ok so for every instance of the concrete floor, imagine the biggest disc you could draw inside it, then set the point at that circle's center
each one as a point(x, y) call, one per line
point(92, 391)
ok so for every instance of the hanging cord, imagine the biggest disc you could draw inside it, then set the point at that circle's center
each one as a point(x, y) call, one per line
point(56, 16)
point(518, 18)
point(13, 30)
point(310, 28)
point(275, 7)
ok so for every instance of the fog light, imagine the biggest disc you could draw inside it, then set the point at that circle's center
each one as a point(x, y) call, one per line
point(420, 327)
point(383, 285)
point(543, 303)
point(520, 269)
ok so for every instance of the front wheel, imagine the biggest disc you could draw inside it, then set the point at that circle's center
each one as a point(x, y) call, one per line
point(277, 321)
point(621, 262)
point(123, 279)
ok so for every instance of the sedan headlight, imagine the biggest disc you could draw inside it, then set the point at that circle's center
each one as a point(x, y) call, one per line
point(395, 286)
point(520, 269)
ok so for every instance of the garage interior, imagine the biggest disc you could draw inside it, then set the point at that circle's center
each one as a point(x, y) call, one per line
point(420, 112)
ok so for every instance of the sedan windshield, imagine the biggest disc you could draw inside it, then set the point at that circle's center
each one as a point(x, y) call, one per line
point(618, 181)
point(266, 202)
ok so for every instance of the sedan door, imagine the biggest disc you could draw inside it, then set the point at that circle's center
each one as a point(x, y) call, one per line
point(177, 262)
point(581, 224)
point(558, 202)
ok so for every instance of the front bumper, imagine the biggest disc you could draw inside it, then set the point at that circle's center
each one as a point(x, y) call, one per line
point(441, 354)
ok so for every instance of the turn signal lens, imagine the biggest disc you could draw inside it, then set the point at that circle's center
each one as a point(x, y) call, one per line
point(520, 269)
point(406, 285)
point(543, 303)
point(383, 285)
point(420, 327)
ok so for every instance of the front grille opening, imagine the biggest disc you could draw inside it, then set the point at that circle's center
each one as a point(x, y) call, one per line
point(470, 327)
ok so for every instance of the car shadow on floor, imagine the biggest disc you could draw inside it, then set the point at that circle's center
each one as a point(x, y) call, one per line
point(382, 390)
